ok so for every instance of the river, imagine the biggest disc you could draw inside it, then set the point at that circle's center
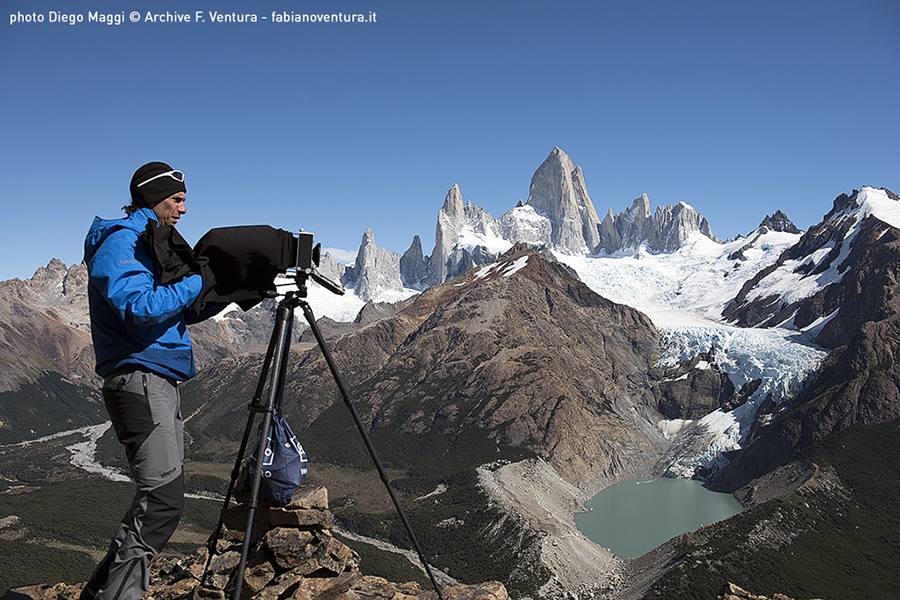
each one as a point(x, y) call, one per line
point(633, 517)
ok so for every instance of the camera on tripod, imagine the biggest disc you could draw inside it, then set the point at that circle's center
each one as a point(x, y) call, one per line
point(275, 252)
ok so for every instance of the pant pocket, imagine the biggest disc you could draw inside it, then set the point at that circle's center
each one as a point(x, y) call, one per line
point(129, 410)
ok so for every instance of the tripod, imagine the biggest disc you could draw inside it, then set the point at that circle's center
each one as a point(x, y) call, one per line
point(276, 359)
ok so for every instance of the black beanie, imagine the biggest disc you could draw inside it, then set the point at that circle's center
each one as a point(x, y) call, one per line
point(155, 190)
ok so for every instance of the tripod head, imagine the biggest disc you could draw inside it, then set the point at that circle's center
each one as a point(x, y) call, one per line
point(306, 259)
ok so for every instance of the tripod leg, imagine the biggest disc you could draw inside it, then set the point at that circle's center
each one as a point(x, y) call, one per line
point(282, 346)
point(311, 319)
point(236, 470)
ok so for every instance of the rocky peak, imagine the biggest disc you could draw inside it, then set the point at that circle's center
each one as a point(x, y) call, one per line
point(640, 209)
point(449, 224)
point(674, 224)
point(848, 206)
point(53, 287)
point(330, 268)
point(843, 204)
point(459, 229)
point(558, 192)
point(46, 326)
point(627, 229)
point(49, 281)
point(663, 231)
point(453, 203)
point(377, 270)
point(779, 222)
point(416, 271)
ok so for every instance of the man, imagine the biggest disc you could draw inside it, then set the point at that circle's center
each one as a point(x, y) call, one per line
point(138, 325)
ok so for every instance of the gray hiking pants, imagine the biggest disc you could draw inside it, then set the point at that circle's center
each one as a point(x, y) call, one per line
point(145, 410)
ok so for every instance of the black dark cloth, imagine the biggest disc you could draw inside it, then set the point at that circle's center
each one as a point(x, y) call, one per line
point(244, 262)
point(238, 264)
point(173, 256)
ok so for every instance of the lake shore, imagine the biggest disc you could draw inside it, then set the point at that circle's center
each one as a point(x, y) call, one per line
point(533, 491)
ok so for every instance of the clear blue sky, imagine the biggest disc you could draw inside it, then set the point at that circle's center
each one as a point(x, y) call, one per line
point(738, 108)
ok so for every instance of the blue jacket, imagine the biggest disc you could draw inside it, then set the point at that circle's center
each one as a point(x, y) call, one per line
point(136, 321)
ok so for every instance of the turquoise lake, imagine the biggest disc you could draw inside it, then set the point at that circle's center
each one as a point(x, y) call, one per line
point(634, 517)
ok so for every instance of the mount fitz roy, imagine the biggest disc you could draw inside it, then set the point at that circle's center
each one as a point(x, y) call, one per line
point(532, 360)
point(558, 215)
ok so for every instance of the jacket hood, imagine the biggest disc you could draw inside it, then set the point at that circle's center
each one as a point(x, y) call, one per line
point(101, 229)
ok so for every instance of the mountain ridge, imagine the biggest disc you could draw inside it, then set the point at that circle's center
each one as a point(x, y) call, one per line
point(558, 215)
point(859, 380)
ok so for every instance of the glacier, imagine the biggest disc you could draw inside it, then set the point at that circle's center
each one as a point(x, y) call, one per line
point(684, 293)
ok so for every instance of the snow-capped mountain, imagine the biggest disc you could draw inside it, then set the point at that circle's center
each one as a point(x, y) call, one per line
point(799, 290)
point(781, 286)
point(558, 215)
point(558, 193)
point(663, 231)
point(466, 235)
point(839, 284)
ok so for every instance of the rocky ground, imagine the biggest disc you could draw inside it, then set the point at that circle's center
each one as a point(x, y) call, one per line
point(533, 490)
point(292, 555)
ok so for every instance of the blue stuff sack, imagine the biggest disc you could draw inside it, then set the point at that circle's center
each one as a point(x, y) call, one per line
point(284, 466)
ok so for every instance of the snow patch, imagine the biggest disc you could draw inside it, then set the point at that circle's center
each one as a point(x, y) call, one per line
point(504, 269)
point(691, 285)
point(510, 270)
point(470, 239)
point(229, 313)
point(877, 203)
point(673, 427)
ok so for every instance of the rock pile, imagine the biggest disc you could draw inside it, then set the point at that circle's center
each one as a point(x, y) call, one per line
point(291, 547)
point(733, 592)
point(293, 555)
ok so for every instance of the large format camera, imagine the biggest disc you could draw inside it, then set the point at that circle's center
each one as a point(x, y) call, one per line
point(241, 264)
